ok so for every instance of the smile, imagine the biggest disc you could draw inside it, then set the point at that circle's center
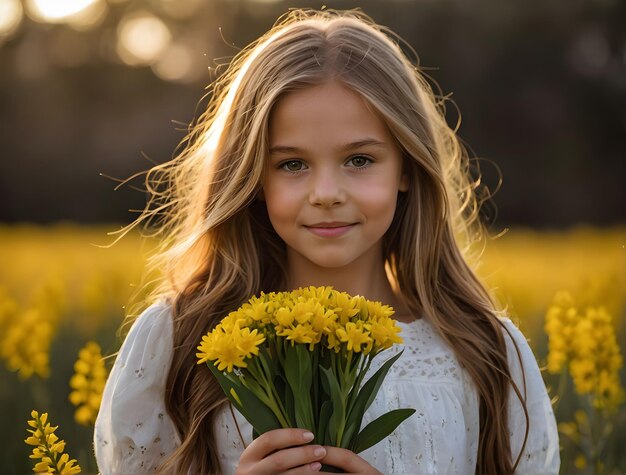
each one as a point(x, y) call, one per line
point(330, 229)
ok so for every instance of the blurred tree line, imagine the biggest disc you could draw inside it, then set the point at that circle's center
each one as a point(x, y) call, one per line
point(541, 87)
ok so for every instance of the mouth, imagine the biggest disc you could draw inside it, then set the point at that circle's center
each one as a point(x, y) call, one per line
point(330, 229)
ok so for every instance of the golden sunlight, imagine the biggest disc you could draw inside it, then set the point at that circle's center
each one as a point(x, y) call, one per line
point(10, 17)
point(175, 65)
point(142, 39)
point(81, 15)
point(55, 11)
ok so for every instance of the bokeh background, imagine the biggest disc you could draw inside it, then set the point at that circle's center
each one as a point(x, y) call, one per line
point(93, 92)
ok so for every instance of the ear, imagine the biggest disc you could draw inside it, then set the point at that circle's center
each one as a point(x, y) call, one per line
point(404, 183)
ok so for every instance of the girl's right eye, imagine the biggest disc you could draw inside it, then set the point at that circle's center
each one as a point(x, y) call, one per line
point(292, 166)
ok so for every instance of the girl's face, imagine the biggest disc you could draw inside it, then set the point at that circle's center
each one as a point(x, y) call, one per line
point(332, 178)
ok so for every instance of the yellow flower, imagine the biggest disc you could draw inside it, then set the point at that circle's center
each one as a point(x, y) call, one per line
point(302, 333)
point(257, 310)
point(228, 323)
point(88, 383)
point(322, 294)
point(556, 360)
point(584, 340)
point(303, 311)
point(376, 310)
point(582, 371)
point(205, 348)
point(248, 341)
point(26, 344)
point(48, 448)
point(570, 429)
point(323, 319)
point(561, 319)
point(284, 317)
point(221, 347)
point(596, 343)
point(355, 335)
point(384, 331)
point(580, 462)
point(306, 316)
point(333, 342)
point(345, 306)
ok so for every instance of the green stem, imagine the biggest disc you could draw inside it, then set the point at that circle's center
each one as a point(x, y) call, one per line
point(367, 362)
point(315, 388)
point(347, 367)
point(310, 413)
point(44, 443)
point(272, 402)
point(595, 429)
point(345, 385)
point(265, 369)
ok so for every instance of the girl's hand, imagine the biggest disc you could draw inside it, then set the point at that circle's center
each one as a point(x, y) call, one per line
point(347, 461)
point(281, 451)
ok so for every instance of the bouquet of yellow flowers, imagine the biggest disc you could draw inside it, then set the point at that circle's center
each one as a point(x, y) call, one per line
point(299, 359)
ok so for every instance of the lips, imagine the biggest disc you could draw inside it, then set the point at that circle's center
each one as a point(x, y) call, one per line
point(330, 229)
point(329, 224)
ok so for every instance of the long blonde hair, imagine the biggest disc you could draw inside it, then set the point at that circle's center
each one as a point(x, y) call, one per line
point(218, 247)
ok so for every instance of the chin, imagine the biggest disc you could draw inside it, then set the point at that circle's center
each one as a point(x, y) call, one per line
point(329, 262)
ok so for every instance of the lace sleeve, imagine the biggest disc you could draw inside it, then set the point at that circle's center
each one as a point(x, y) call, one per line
point(133, 433)
point(541, 453)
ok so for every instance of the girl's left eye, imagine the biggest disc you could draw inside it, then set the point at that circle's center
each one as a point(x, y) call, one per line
point(292, 166)
point(359, 161)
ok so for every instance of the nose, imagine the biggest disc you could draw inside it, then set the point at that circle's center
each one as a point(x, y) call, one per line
point(327, 189)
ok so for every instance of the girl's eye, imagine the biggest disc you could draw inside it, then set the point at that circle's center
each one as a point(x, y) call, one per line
point(292, 166)
point(360, 161)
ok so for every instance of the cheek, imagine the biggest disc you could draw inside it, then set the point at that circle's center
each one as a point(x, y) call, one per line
point(279, 204)
point(380, 203)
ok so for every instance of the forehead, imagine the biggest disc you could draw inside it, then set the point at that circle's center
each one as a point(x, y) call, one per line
point(325, 114)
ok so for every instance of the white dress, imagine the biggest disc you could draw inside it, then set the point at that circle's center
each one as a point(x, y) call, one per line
point(134, 434)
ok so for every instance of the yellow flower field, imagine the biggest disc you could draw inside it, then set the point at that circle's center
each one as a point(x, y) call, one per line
point(59, 291)
point(526, 268)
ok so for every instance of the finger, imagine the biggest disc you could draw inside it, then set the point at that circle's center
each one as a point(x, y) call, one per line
point(274, 440)
point(347, 460)
point(294, 460)
point(309, 469)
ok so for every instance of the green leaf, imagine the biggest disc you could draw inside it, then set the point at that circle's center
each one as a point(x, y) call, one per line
point(372, 385)
point(320, 433)
point(368, 392)
point(252, 385)
point(315, 389)
point(336, 421)
point(352, 374)
point(287, 397)
point(347, 435)
point(259, 415)
point(299, 375)
point(268, 364)
point(304, 408)
point(380, 428)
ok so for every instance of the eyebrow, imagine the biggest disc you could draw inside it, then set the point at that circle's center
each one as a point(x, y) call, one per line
point(345, 148)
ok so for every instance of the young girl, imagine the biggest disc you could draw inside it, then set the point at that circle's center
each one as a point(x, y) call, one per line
point(324, 159)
